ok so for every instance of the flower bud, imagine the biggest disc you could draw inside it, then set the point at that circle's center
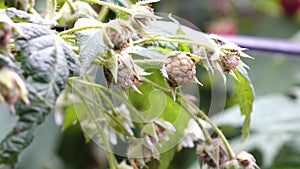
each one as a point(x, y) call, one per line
point(117, 34)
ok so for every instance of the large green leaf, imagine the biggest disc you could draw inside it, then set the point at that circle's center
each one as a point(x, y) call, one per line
point(244, 95)
point(44, 62)
point(47, 62)
point(90, 41)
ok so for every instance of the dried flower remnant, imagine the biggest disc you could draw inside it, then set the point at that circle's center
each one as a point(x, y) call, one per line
point(12, 87)
point(227, 56)
point(247, 160)
point(213, 154)
point(143, 14)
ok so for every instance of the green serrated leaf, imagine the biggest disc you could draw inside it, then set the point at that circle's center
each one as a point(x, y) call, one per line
point(46, 70)
point(90, 41)
point(244, 93)
point(43, 60)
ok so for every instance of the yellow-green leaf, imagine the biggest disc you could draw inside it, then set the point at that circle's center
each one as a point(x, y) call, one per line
point(244, 94)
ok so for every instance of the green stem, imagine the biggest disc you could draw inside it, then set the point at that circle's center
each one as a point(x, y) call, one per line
point(103, 13)
point(109, 5)
point(118, 96)
point(79, 29)
point(204, 131)
point(111, 158)
point(167, 91)
point(172, 40)
point(207, 137)
point(203, 116)
point(217, 130)
point(150, 62)
point(101, 109)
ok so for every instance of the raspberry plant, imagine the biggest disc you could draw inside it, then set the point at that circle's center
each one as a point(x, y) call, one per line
point(145, 60)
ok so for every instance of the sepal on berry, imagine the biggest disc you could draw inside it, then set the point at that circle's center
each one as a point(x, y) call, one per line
point(121, 71)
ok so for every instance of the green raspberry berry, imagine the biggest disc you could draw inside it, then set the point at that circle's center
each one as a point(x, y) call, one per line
point(125, 77)
point(180, 69)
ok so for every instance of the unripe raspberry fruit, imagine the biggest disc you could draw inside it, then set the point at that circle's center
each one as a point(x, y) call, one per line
point(125, 77)
point(179, 69)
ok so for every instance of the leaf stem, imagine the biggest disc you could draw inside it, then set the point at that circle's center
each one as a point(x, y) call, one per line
point(83, 96)
point(172, 40)
point(111, 158)
point(110, 5)
point(123, 100)
point(203, 116)
point(216, 129)
point(207, 137)
point(150, 62)
point(103, 13)
point(168, 91)
point(204, 131)
point(79, 29)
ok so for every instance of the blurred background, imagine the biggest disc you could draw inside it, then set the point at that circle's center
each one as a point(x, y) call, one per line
point(275, 126)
